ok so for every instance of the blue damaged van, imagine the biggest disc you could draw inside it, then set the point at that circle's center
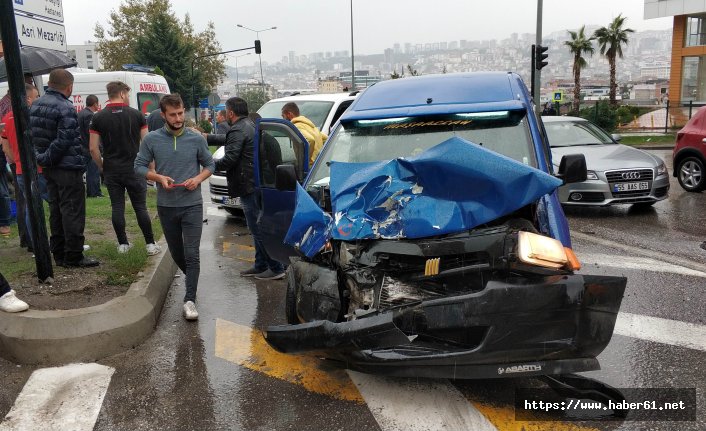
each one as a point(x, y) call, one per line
point(427, 239)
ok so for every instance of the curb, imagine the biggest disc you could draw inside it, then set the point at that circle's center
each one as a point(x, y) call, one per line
point(59, 337)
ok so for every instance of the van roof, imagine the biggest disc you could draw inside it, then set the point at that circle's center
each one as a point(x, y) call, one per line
point(439, 94)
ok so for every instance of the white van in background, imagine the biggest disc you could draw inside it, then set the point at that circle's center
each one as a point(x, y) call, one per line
point(146, 88)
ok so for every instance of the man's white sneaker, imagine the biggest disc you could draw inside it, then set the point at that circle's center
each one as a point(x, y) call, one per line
point(123, 248)
point(190, 312)
point(153, 249)
point(11, 304)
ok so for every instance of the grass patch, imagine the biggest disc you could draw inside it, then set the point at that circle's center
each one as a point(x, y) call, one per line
point(648, 139)
point(115, 269)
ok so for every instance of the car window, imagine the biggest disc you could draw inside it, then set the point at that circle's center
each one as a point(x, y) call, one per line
point(505, 132)
point(314, 110)
point(339, 111)
point(572, 133)
point(278, 145)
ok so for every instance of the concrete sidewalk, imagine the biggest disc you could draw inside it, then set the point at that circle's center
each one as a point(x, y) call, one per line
point(88, 334)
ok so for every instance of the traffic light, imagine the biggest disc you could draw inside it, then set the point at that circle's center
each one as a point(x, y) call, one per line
point(540, 57)
point(258, 48)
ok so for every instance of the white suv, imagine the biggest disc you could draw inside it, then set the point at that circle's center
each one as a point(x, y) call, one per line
point(322, 109)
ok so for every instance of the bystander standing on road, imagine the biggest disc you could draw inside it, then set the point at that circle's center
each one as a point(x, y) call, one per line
point(314, 136)
point(54, 128)
point(118, 128)
point(182, 163)
point(222, 126)
point(155, 120)
point(5, 107)
point(12, 152)
point(8, 300)
point(237, 162)
point(93, 175)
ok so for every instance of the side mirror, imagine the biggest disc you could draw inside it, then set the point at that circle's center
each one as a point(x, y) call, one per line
point(285, 178)
point(616, 137)
point(572, 168)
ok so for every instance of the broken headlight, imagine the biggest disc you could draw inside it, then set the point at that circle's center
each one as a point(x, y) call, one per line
point(540, 250)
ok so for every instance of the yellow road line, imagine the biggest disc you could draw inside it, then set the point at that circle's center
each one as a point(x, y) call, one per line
point(247, 347)
point(239, 247)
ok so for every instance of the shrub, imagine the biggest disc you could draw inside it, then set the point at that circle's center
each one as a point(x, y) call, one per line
point(602, 114)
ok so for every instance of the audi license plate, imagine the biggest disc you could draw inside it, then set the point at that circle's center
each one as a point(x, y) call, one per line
point(631, 187)
point(231, 201)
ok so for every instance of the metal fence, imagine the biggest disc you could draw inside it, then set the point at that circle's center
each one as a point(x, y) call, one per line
point(668, 117)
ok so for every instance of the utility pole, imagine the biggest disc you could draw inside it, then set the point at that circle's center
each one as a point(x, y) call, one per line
point(537, 84)
point(18, 96)
point(352, 55)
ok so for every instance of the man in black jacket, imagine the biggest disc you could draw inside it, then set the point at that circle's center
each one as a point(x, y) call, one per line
point(93, 175)
point(238, 164)
point(54, 128)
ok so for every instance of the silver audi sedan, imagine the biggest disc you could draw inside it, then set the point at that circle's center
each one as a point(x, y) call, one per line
point(617, 174)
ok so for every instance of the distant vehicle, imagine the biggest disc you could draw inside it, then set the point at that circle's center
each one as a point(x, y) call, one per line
point(322, 109)
point(690, 153)
point(617, 174)
point(146, 88)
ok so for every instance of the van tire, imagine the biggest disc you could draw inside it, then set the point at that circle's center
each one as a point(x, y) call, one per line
point(290, 306)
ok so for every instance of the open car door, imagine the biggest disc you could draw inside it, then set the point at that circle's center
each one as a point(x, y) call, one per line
point(279, 150)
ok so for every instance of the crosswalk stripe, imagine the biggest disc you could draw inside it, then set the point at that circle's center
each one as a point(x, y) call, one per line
point(639, 263)
point(418, 405)
point(61, 398)
point(503, 418)
point(664, 331)
point(247, 347)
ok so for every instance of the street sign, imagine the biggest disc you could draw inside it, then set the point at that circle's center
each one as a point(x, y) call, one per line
point(49, 9)
point(214, 99)
point(203, 103)
point(41, 34)
point(558, 96)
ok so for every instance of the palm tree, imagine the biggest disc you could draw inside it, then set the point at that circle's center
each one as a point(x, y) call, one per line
point(611, 40)
point(579, 45)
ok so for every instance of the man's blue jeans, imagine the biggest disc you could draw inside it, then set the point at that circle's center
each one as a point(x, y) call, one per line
point(182, 228)
point(252, 213)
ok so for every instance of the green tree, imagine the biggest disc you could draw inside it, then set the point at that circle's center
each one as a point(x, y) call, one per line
point(395, 75)
point(162, 45)
point(611, 40)
point(135, 23)
point(412, 72)
point(578, 46)
point(255, 98)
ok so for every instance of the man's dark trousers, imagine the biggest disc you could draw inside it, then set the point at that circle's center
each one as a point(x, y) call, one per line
point(117, 184)
point(67, 213)
point(182, 228)
point(93, 180)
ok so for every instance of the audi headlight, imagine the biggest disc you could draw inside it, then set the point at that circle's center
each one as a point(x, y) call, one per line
point(591, 175)
point(541, 250)
point(661, 169)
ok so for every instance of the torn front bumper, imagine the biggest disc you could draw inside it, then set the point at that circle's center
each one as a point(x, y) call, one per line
point(514, 327)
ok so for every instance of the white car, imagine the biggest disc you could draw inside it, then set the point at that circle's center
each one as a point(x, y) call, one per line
point(322, 109)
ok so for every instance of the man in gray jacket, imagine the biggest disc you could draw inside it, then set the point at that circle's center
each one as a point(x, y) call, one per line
point(182, 163)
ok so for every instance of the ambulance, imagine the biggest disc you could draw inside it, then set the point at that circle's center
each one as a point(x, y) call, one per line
point(146, 88)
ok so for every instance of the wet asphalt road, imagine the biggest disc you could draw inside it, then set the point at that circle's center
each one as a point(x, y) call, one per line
point(217, 374)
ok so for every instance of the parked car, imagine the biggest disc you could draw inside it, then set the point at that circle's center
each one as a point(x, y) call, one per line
point(428, 239)
point(322, 109)
point(617, 174)
point(690, 153)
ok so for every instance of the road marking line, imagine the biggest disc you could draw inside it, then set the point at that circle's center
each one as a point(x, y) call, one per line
point(410, 404)
point(503, 418)
point(664, 331)
point(61, 398)
point(247, 347)
point(227, 245)
point(633, 262)
point(638, 251)
point(215, 211)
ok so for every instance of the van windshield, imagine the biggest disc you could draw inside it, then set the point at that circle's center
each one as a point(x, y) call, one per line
point(314, 110)
point(505, 132)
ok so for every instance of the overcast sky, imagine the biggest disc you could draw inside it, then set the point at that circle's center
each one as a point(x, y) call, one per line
point(307, 26)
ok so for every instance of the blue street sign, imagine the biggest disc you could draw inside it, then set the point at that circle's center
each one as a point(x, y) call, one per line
point(203, 103)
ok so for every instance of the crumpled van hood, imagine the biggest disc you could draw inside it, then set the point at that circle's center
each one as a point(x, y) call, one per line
point(452, 187)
